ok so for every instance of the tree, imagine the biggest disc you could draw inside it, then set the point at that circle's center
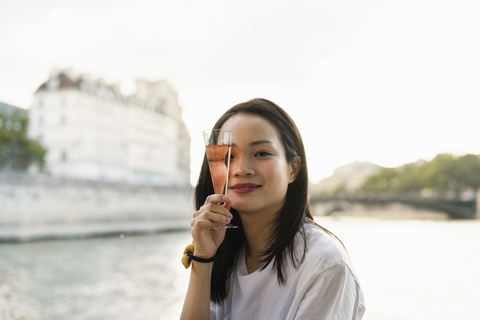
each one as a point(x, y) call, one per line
point(444, 173)
point(17, 151)
point(382, 181)
point(467, 171)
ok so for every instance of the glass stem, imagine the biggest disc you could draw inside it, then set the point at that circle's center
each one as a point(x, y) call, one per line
point(228, 169)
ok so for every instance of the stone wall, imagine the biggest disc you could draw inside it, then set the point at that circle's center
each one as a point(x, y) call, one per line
point(28, 199)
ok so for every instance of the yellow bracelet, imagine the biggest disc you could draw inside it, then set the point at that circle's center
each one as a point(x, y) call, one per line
point(188, 257)
point(186, 260)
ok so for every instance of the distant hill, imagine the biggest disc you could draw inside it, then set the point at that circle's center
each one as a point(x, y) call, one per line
point(348, 177)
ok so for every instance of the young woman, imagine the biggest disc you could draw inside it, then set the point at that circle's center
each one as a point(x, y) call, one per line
point(279, 264)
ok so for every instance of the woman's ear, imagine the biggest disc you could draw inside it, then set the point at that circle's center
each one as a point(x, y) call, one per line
point(295, 169)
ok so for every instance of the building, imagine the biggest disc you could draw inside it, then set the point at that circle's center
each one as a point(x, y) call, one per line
point(6, 108)
point(13, 121)
point(93, 132)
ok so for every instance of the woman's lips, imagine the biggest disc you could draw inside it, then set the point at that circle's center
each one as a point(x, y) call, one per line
point(245, 187)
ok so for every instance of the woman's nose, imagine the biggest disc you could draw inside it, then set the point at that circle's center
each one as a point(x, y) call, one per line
point(241, 166)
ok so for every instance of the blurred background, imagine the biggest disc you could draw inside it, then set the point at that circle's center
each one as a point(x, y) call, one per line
point(102, 104)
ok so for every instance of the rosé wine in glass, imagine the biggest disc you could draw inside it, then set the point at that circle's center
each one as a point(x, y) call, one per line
point(218, 145)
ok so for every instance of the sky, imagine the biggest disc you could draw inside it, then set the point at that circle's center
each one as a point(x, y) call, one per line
point(388, 82)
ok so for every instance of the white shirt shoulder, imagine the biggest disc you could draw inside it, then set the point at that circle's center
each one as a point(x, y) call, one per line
point(323, 286)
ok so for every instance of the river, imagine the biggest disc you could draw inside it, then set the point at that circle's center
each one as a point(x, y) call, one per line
point(409, 269)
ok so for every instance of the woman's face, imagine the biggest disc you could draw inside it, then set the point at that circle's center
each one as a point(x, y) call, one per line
point(259, 171)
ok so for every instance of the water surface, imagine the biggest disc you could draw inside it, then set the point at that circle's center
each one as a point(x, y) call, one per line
point(409, 269)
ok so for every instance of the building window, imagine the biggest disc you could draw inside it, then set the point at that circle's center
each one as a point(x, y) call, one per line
point(17, 126)
point(40, 120)
point(64, 156)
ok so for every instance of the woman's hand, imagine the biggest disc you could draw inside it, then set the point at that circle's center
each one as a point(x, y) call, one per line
point(208, 225)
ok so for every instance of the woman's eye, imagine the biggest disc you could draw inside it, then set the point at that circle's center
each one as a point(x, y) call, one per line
point(262, 154)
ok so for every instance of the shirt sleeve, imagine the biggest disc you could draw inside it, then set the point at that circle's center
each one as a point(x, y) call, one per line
point(332, 295)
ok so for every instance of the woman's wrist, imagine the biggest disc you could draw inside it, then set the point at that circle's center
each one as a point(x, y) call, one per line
point(190, 254)
point(201, 259)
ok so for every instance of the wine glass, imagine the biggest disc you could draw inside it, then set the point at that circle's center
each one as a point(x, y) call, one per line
point(218, 146)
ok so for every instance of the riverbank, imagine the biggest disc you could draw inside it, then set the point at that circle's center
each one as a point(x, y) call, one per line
point(393, 211)
point(37, 232)
point(44, 200)
point(92, 229)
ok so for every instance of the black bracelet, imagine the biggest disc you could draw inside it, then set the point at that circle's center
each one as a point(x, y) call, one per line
point(190, 254)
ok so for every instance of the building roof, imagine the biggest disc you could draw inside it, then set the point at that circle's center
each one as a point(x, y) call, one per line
point(156, 96)
point(64, 81)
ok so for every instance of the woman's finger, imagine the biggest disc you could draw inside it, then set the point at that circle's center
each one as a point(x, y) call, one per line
point(205, 224)
point(217, 207)
point(216, 198)
point(216, 217)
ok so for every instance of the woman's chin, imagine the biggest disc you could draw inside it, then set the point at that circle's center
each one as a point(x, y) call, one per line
point(244, 210)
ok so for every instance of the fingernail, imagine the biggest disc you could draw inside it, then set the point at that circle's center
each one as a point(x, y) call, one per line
point(230, 216)
point(227, 220)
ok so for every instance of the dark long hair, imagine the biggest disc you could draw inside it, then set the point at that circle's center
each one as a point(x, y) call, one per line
point(292, 216)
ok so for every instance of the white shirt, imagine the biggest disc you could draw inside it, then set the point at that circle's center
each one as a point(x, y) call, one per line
point(323, 287)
